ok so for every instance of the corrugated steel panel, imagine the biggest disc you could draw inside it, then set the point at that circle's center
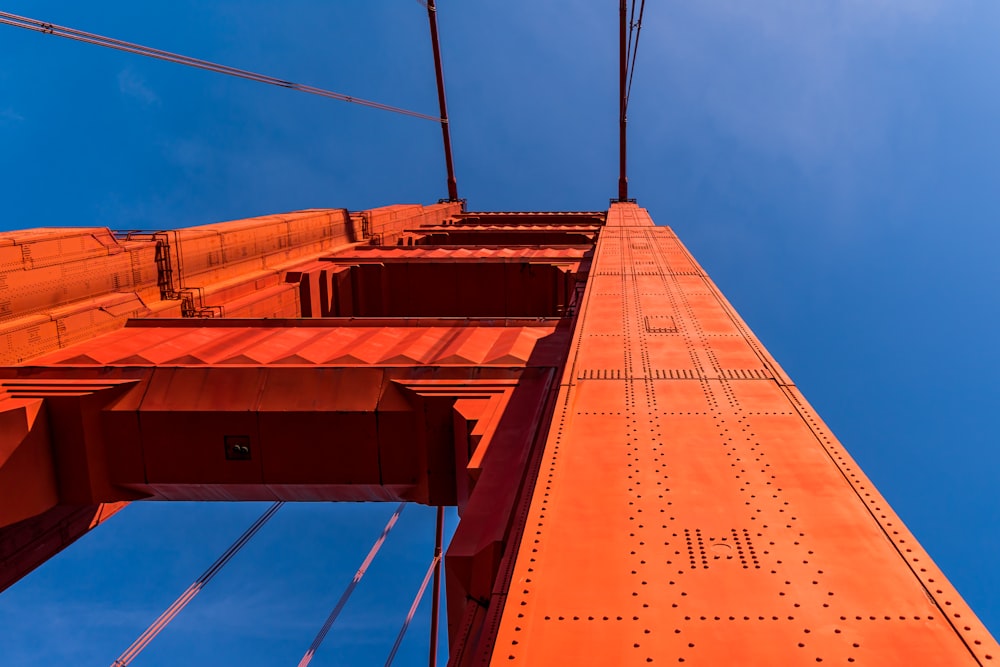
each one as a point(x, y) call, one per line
point(459, 254)
point(342, 346)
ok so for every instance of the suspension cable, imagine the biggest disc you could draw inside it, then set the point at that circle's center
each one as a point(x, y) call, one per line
point(413, 609)
point(160, 623)
point(442, 102)
point(321, 635)
point(635, 50)
point(631, 25)
point(436, 588)
point(622, 80)
point(128, 47)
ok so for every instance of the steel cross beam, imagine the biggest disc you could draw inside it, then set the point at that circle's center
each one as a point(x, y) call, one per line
point(404, 371)
point(638, 480)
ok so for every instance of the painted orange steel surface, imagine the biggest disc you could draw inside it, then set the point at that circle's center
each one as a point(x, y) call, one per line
point(63, 286)
point(638, 480)
point(691, 507)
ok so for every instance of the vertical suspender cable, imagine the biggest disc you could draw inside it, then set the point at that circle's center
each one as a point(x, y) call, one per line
point(436, 588)
point(160, 623)
point(442, 103)
point(413, 609)
point(623, 55)
point(321, 635)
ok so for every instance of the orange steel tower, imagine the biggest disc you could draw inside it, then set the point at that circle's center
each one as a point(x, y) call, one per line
point(638, 480)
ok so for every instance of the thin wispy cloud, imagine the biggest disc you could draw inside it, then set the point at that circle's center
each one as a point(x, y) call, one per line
point(8, 115)
point(790, 78)
point(132, 85)
point(822, 89)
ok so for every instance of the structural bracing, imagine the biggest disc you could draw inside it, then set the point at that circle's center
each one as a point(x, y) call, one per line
point(638, 480)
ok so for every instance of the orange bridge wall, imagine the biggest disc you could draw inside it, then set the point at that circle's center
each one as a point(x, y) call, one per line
point(63, 286)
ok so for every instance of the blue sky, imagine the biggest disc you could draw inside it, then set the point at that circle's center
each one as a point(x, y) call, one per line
point(833, 165)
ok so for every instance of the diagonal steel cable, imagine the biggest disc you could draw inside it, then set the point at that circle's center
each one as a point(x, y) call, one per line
point(138, 49)
point(413, 609)
point(631, 27)
point(133, 651)
point(321, 635)
point(634, 50)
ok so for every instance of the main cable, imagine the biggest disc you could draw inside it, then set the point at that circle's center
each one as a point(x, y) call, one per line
point(128, 47)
